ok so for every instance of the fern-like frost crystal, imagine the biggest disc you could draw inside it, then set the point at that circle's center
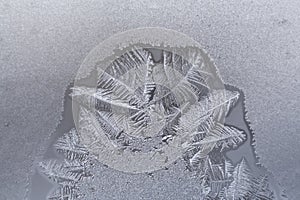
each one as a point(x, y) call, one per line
point(141, 110)
point(73, 168)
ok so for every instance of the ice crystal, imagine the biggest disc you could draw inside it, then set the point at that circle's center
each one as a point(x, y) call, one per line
point(141, 106)
point(73, 168)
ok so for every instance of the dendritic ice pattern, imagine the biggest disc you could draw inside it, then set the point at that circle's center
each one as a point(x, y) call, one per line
point(67, 172)
point(136, 119)
point(150, 108)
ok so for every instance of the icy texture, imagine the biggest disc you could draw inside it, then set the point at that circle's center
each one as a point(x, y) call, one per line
point(215, 176)
point(138, 101)
point(120, 120)
point(67, 173)
point(219, 179)
point(42, 43)
point(204, 137)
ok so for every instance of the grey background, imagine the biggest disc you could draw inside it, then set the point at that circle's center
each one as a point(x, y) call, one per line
point(255, 44)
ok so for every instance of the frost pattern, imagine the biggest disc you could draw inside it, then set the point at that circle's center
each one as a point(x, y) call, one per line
point(152, 93)
point(136, 101)
point(67, 173)
point(205, 156)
